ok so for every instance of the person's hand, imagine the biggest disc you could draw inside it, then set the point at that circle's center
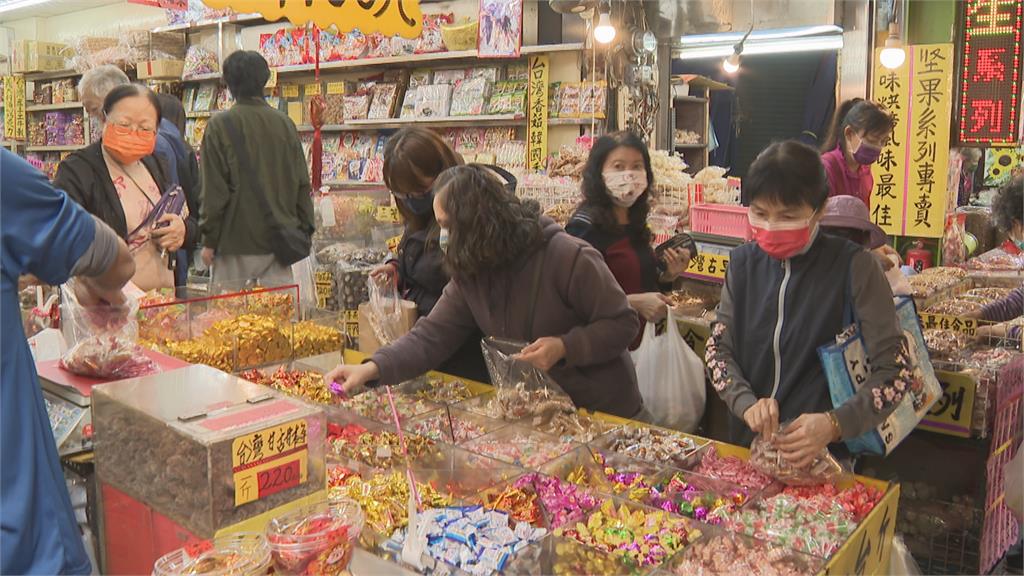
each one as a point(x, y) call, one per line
point(207, 256)
point(543, 353)
point(805, 438)
point(763, 416)
point(169, 232)
point(676, 261)
point(884, 252)
point(91, 294)
point(385, 272)
point(351, 377)
point(652, 306)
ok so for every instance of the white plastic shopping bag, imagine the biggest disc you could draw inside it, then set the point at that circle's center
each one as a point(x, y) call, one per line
point(671, 378)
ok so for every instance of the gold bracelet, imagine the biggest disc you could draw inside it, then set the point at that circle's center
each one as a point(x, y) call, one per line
point(837, 430)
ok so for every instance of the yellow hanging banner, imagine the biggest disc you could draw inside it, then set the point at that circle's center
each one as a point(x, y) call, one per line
point(537, 136)
point(14, 108)
point(389, 17)
point(891, 90)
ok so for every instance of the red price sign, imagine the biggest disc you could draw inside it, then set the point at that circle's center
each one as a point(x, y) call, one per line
point(283, 477)
point(990, 81)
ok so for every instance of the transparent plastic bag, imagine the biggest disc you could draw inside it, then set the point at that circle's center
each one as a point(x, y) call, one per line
point(521, 389)
point(767, 459)
point(102, 340)
point(385, 309)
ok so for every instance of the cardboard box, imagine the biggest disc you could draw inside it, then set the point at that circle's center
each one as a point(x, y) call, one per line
point(368, 341)
point(34, 56)
point(160, 69)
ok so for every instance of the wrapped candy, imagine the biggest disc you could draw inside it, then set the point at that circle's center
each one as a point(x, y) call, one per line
point(381, 449)
point(858, 500)
point(732, 469)
point(765, 457)
point(198, 61)
point(102, 339)
point(563, 503)
point(258, 339)
point(520, 504)
point(696, 498)
point(727, 554)
point(654, 445)
point(518, 447)
point(302, 383)
point(315, 540)
point(373, 404)
point(311, 339)
point(645, 538)
point(448, 426)
point(384, 499)
point(442, 392)
point(243, 554)
point(815, 526)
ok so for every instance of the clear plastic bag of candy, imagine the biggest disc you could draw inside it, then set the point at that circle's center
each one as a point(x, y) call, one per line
point(385, 309)
point(522, 390)
point(768, 459)
point(102, 340)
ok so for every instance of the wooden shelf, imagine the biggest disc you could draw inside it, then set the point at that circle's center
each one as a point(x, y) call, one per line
point(54, 148)
point(37, 76)
point(202, 77)
point(415, 59)
point(236, 19)
point(45, 107)
point(447, 121)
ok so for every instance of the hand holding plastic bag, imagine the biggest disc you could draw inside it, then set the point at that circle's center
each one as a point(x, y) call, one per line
point(767, 459)
point(522, 390)
point(385, 309)
point(102, 338)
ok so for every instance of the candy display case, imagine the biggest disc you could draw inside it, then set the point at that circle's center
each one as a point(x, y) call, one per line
point(206, 449)
point(655, 445)
point(565, 557)
point(603, 472)
point(520, 446)
point(379, 447)
point(723, 553)
point(438, 389)
point(451, 425)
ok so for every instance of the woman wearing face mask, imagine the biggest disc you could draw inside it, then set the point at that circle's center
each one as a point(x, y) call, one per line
point(613, 219)
point(859, 131)
point(516, 275)
point(119, 180)
point(413, 158)
point(785, 296)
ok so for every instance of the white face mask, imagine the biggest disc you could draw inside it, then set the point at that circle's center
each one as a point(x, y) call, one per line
point(442, 240)
point(625, 186)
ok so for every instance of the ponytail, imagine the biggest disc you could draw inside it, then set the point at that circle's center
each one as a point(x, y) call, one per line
point(861, 115)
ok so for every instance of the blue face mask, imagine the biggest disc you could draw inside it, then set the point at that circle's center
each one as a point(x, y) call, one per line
point(442, 240)
point(420, 205)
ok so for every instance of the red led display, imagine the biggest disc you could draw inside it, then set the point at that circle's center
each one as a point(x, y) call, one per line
point(990, 76)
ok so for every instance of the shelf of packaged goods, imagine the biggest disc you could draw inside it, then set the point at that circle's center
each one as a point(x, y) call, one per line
point(189, 27)
point(202, 114)
point(46, 107)
point(69, 148)
point(38, 76)
point(573, 121)
point(418, 59)
point(441, 122)
point(202, 77)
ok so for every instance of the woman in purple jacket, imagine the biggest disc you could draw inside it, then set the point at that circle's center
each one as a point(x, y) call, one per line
point(517, 275)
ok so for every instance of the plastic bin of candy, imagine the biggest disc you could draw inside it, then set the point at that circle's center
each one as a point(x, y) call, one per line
point(723, 553)
point(451, 425)
point(655, 445)
point(520, 446)
point(380, 447)
point(542, 500)
point(555, 416)
point(604, 472)
point(194, 443)
point(375, 405)
point(242, 554)
point(565, 556)
point(437, 389)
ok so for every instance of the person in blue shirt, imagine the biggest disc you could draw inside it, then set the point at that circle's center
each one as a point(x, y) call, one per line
point(46, 234)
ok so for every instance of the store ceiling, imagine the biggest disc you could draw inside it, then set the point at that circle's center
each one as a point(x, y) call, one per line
point(685, 17)
point(17, 9)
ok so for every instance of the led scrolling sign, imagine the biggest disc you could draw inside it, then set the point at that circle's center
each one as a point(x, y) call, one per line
point(990, 80)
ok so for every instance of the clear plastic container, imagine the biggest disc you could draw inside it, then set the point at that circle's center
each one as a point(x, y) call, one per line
point(242, 554)
point(520, 446)
point(316, 539)
point(452, 425)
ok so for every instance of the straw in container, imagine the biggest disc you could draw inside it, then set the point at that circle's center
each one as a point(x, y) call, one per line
point(316, 539)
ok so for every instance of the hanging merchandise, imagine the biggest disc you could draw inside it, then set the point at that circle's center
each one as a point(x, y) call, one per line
point(501, 28)
point(403, 18)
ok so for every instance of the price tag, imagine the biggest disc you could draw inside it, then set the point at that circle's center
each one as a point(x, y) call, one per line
point(968, 326)
point(290, 91)
point(392, 243)
point(952, 414)
point(709, 266)
point(335, 88)
point(269, 461)
point(312, 89)
point(323, 284)
point(352, 323)
point(295, 112)
point(272, 82)
point(388, 214)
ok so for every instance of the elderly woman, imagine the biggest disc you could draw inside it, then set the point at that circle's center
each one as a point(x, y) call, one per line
point(119, 181)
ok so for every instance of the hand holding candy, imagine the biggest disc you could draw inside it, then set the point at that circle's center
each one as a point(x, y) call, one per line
point(805, 438)
point(351, 379)
point(544, 353)
point(763, 416)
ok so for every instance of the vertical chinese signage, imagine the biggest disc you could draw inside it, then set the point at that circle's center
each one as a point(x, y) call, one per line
point(537, 132)
point(14, 108)
point(909, 197)
point(990, 76)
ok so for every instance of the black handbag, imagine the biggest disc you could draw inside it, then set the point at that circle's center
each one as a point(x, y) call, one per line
point(290, 244)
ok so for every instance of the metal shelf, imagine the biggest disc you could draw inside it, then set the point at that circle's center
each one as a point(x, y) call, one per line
point(573, 121)
point(236, 19)
point(54, 148)
point(37, 76)
point(45, 107)
point(202, 77)
point(447, 121)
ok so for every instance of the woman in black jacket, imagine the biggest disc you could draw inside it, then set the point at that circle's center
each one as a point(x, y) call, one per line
point(119, 181)
point(413, 159)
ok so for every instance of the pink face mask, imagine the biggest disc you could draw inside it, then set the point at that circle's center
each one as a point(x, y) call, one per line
point(782, 240)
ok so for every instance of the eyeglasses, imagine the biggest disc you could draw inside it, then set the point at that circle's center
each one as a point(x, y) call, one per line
point(124, 128)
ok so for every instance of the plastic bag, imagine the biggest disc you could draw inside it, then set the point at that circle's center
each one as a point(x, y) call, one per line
point(521, 389)
point(671, 378)
point(102, 340)
point(767, 459)
point(385, 309)
point(902, 563)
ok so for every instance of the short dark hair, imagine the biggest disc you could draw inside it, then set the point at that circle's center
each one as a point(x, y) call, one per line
point(172, 110)
point(246, 73)
point(128, 91)
point(1008, 205)
point(597, 202)
point(489, 226)
point(861, 115)
point(789, 173)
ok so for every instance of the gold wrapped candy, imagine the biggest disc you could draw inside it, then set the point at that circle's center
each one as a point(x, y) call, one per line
point(203, 350)
point(258, 339)
point(311, 339)
point(384, 499)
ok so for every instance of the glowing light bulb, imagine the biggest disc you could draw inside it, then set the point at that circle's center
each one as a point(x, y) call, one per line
point(731, 64)
point(604, 32)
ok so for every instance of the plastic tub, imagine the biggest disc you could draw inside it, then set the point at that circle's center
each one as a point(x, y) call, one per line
point(243, 554)
point(721, 219)
point(316, 539)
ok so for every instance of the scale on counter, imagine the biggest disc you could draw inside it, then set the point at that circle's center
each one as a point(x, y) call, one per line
point(68, 399)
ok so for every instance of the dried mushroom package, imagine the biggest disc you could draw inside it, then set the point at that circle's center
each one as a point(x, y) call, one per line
point(206, 449)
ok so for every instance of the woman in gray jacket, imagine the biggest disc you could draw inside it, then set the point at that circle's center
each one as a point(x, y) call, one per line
point(517, 275)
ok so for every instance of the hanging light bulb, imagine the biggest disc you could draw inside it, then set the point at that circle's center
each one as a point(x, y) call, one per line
point(893, 55)
point(731, 64)
point(604, 32)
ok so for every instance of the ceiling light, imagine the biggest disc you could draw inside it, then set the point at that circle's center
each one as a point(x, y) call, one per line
point(751, 48)
point(893, 55)
point(604, 32)
point(732, 63)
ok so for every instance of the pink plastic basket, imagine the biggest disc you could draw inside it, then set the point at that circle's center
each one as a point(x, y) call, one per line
point(721, 219)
